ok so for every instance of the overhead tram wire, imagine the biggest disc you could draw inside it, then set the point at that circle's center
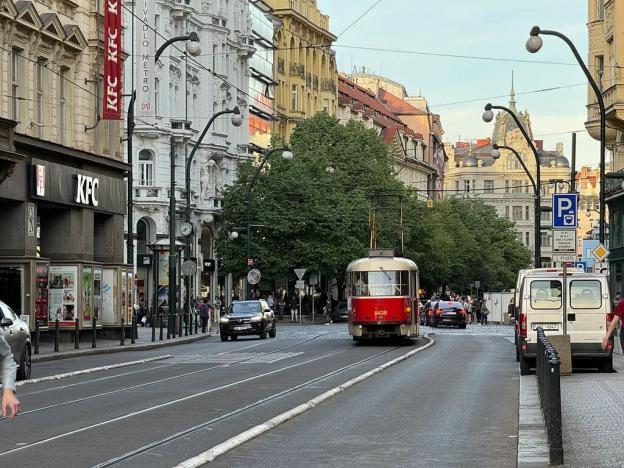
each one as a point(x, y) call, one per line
point(357, 20)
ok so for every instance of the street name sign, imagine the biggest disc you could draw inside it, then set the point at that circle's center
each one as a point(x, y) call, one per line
point(564, 241)
point(600, 252)
point(564, 207)
point(561, 258)
point(300, 272)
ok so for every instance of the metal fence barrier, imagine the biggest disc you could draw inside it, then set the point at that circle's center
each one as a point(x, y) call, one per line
point(548, 382)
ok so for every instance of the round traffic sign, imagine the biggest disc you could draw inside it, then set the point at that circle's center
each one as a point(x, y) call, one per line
point(253, 277)
point(189, 267)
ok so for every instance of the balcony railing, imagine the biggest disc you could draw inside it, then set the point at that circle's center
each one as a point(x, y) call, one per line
point(328, 85)
point(297, 69)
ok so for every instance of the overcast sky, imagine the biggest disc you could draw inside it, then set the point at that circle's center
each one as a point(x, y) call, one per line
point(484, 28)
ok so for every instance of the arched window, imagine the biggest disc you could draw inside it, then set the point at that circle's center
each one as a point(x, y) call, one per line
point(146, 168)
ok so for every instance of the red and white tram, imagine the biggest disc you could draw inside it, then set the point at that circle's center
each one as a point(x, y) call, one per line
point(382, 296)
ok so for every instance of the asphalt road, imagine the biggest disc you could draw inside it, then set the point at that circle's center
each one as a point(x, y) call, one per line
point(458, 397)
point(453, 405)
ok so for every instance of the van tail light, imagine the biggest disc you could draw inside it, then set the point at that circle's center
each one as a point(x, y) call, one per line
point(523, 325)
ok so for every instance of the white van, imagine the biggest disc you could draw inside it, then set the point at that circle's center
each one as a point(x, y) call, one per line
point(588, 310)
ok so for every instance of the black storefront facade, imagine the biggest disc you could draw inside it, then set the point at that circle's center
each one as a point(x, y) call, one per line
point(61, 241)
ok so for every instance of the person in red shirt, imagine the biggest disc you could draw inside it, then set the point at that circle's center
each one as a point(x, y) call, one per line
point(618, 318)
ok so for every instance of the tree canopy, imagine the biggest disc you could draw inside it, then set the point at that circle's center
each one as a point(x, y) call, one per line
point(306, 216)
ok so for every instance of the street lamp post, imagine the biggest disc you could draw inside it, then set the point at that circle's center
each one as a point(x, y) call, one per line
point(533, 45)
point(536, 190)
point(193, 49)
point(488, 116)
point(237, 121)
point(286, 155)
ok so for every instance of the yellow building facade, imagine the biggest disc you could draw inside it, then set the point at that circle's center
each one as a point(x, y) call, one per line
point(305, 66)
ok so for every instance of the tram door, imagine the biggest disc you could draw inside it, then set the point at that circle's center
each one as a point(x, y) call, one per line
point(414, 301)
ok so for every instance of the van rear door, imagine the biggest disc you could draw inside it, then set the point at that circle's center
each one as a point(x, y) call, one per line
point(588, 304)
point(545, 308)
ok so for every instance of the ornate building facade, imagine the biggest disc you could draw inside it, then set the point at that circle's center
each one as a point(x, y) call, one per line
point(414, 112)
point(356, 103)
point(606, 55)
point(305, 66)
point(62, 187)
point(176, 97)
point(503, 183)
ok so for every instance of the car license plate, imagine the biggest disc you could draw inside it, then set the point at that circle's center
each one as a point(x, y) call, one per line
point(546, 326)
point(242, 327)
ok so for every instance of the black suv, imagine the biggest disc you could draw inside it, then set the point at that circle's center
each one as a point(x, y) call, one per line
point(248, 318)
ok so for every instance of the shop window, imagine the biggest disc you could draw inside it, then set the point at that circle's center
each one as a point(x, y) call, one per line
point(146, 168)
point(11, 285)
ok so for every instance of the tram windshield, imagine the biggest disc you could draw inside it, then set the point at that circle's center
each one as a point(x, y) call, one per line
point(379, 283)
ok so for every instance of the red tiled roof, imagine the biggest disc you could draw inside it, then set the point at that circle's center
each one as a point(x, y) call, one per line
point(398, 105)
point(363, 100)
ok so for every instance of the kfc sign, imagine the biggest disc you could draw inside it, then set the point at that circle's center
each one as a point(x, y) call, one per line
point(112, 60)
point(87, 190)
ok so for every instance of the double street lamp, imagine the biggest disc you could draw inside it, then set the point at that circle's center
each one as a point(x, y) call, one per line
point(193, 49)
point(488, 116)
point(533, 45)
point(536, 191)
point(287, 155)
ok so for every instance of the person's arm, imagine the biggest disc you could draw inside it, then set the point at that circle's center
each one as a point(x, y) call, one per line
point(610, 330)
point(10, 404)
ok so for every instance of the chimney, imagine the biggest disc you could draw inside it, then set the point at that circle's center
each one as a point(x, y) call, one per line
point(539, 144)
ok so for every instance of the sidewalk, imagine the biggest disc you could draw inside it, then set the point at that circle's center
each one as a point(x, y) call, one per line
point(592, 411)
point(104, 346)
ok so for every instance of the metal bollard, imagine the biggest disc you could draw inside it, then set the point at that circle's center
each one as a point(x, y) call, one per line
point(153, 325)
point(160, 322)
point(134, 328)
point(77, 334)
point(122, 340)
point(93, 332)
point(57, 334)
point(196, 323)
point(186, 320)
point(168, 324)
point(181, 316)
point(37, 336)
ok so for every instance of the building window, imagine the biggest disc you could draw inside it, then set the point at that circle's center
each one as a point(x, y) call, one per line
point(62, 112)
point(15, 82)
point(527, 212)
point(506, 212)
point(293, 98)
point(326, 105)
point(214, 58)
point(457, 185)
point(545, 240)
point(467, 186)
point(600, 10)
point(488, 186)
point(506, 186)
point(39, 76)
point(599, 70)
point(527, 238)
point(517, 213)
point(516, 186)
point(146, 168)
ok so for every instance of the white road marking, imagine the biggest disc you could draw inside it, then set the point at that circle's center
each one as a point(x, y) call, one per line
point(230, 444)
point(92, 370)
point(162, 405)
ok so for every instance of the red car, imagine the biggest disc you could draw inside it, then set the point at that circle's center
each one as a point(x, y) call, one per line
point(449, 313)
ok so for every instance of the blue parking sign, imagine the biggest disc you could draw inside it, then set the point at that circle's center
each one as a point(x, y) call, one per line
point(580, 266)
point(564, 207)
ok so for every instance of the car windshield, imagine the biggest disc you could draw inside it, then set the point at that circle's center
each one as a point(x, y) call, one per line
point(246, 308)
point(450, 305)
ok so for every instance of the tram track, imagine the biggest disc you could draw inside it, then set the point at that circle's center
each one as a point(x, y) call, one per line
point(131, 454)
point(167, 379)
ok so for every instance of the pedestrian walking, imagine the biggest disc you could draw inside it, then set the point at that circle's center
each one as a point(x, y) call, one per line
point(204, 314)
point(8, 368)
point(270, 301)
point(618, 319)
point(294, 309)
point(484, 314)
point(477, 309)
point(281, 305)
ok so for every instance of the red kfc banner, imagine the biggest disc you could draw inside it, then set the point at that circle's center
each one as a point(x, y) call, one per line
point(112, 60)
